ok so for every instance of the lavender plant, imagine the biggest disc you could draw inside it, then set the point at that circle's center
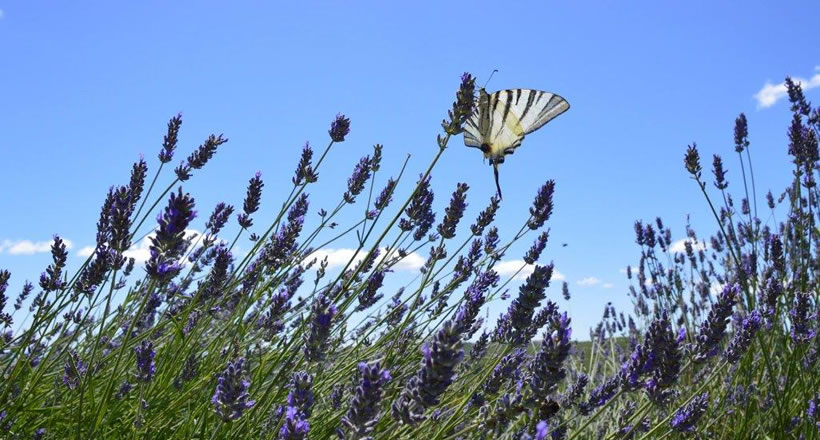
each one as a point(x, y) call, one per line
point(207, 338)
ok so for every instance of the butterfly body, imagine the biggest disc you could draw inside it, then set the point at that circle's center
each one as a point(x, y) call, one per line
point(503, 118)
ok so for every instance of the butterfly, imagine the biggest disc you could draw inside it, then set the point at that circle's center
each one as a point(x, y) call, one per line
point(503, 118)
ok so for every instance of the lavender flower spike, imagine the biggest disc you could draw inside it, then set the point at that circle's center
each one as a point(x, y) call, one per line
point(685, 418)
point(301, 395)
point(169, 242)
point(547, 369)
point(322, 314)
point(363, 414)
point(75, 369)
point(296, 426)
point(802, 332)
point(454, 212)
point(169, 142)
point(339, 128)
point(145, 361)
point(253, 196)
point(541, 209)
point(743, 336)
point(713, 328)
point(422, 391)
point(357, 180)
point(231, 397)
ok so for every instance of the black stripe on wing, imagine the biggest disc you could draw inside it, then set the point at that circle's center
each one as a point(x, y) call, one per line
point(551, 110)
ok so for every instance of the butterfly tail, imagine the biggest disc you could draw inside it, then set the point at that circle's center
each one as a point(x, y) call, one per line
point(497, 185)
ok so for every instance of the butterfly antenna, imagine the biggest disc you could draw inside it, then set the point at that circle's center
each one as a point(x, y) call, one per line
point(490, 77)
point(495, 171)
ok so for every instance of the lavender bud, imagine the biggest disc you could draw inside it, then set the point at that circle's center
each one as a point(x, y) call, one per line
point(692, 161)
point(231, 397)
point(295, 427)
point(304, 171)
point(301, 395)
point(339, 128)
point(27, 289)
point(74, 369)
point(252, 198)
point(720, 173)
point(145, 361)
point(419, 212)
point(169, 142)
point(801, 318)
point(440, 358)
point(712, 329)
point(687, 417)
point(316, 340)
point(743, 337)
point(355, 183)
point(741, 133)
point(537, 247)
point(169, 242)
point(486, 217)
point(462, 107)
point(454, 212)
point(542, 206)
point(218, 218)
point(546, 369)
point(363, 414)
point(52, 280)
point(386, 196)
point(529, 298)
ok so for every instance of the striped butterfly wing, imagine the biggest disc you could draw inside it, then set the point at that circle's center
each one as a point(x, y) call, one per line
point(504, 117)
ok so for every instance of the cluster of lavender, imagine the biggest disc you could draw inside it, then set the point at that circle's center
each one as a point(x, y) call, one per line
point(723, 329)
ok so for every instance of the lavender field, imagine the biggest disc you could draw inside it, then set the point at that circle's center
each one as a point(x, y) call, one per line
point(204, 341)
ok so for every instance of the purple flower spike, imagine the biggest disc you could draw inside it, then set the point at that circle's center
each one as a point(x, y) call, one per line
point(363, 414)
point(454, 212)
point(169, 143)
point(253, 196)
point(75, 369)
point(304, 171)
point(547, 368)
point(296, 426)
point(355, 183)
point(145, 361)
point(743, 337)
point(541, 209)
point(169, 242)
point(339, 128)
point(231, 397)
point(713, 328)
point(801, 318)
point(423, 390)
point(687, 417)
point(322, 314)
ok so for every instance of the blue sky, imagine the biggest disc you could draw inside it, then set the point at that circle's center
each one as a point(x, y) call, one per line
point(88, 86)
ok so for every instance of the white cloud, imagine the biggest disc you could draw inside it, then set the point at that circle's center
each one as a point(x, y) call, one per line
point(412, 261)
point(509, 267)
point(771, 93)
point(340, 257)
point(607, 285)
point(28, 247)
point(589, 281)
point(140, 251)
point(680, 245)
